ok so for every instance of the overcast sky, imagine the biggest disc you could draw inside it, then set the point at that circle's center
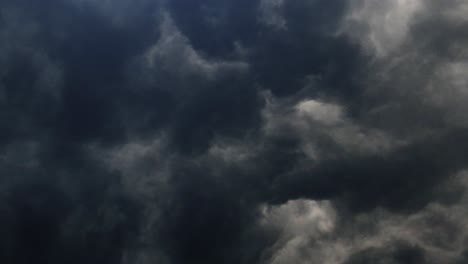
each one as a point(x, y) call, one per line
point(234, 131)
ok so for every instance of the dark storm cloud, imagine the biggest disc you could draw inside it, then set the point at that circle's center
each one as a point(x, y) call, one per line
point(58, 205)
point(270, 131)
point(281, 58)
point(371, 181)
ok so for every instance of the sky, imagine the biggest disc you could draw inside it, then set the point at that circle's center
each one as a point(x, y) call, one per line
point(234, 131)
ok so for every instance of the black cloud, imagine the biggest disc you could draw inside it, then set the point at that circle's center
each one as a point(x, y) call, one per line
point(267, 131)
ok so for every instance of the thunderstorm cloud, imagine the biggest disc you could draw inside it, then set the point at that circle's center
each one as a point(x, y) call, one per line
point(234, 131)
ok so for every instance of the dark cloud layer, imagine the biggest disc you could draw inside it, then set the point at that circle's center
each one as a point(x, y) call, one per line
point(267, 131)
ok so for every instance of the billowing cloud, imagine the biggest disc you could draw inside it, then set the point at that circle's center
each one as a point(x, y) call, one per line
point(382, 26)
point(233, 131)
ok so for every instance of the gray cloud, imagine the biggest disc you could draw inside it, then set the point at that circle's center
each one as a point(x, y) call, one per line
point(266, 131)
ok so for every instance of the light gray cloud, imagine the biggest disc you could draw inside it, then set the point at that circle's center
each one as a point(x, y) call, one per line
point(173, 55)
point(315, 232)
point(381, 26)
point(272, 13)
point(315, 122)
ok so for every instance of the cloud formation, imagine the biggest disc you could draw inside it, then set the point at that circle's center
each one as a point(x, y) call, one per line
point(266, 131)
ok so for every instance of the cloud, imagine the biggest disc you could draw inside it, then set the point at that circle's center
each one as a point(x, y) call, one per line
point(271, 11)
point(325, 131)
point(314, 231)
point(381, 26)
point(301, 224)
point(174, 55)
point(265, 131)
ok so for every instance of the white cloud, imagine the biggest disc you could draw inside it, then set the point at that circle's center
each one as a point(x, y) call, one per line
point(315, 122)
point(312, 232)
point(302, 225)
point(381, 25)
point(328, 114)
point(300, 217)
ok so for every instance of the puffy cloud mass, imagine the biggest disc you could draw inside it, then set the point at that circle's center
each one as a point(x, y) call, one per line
point(233, 131)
